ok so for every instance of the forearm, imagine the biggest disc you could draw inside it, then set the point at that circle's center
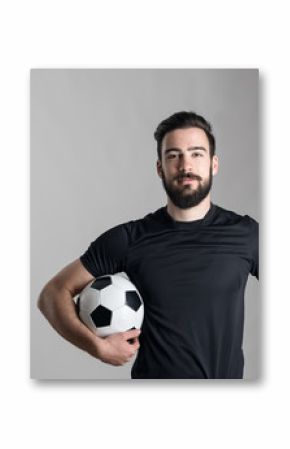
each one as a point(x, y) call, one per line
point(59, 309)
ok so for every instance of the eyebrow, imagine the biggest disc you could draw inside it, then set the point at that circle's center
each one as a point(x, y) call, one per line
point(188, 149)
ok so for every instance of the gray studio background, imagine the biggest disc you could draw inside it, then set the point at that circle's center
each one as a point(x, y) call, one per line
point(93, 166)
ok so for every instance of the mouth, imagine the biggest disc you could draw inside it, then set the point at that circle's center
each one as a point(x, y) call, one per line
point(186, 180)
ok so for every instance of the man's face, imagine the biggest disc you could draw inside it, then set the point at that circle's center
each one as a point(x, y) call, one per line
point(186, 168)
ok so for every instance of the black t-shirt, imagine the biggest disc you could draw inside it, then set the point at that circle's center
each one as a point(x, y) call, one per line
point(192, 278)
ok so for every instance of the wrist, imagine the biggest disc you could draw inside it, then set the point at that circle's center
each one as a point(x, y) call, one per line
point(96, 346)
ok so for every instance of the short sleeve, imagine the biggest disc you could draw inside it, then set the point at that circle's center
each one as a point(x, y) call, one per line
point(254, 248)
point(106, 254)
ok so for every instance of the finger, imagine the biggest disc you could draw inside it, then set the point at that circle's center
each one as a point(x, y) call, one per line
point(134, 346)
point(132, 341)
point(130, 356)
point(131, 334)
point(136, 343)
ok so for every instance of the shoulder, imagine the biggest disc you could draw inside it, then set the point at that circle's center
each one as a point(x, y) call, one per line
point(137, 228)
point(228, 217)
point(127, 229)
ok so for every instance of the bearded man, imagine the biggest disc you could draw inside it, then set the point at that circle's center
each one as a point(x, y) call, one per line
point(190, 261)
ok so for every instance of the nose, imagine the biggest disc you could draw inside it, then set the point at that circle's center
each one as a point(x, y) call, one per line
point(185, 163)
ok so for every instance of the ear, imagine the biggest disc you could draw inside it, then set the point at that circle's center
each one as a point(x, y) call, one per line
point(215, 165)
point(159, 168)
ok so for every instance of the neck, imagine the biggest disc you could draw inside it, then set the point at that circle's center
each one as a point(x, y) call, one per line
point(190, 214)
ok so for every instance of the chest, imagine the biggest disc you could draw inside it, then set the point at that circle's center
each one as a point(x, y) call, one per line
point(195, 269)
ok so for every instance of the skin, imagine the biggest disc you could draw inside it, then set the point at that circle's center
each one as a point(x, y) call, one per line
point(56, 299)
point(190, 155)
point(56, 303)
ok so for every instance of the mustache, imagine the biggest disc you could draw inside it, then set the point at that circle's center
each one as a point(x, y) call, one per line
point(188, 176)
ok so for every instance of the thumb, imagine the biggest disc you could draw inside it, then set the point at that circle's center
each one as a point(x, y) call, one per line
point(132, 333)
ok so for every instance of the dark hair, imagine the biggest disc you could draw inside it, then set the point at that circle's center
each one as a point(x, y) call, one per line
point(181, 120)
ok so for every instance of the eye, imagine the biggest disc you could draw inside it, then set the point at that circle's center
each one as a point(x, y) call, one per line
point(197, 154)
point(171, 156)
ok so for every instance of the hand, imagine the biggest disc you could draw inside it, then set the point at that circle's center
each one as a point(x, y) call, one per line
point(117, 350)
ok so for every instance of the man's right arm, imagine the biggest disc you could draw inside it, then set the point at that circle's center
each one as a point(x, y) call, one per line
point(57, 305)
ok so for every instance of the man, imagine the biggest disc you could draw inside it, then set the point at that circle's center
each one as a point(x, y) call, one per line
point(190, 260)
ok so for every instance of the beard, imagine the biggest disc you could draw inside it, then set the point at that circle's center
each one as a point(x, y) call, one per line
point(184, 196)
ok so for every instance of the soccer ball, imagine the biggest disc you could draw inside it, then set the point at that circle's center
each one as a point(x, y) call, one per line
point(110, 304)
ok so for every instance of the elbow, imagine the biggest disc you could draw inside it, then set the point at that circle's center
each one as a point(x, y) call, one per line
point(40, 301)
point(43, 300)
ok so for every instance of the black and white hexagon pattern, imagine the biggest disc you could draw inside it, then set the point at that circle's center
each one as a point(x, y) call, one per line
point(111, 304)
